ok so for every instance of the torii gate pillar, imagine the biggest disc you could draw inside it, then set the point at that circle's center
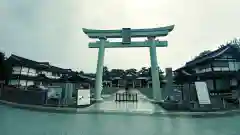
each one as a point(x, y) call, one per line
point(99, 73)
point(154, 70)
point(126, 34)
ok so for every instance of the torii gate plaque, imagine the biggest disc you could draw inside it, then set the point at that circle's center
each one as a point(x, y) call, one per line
point(126, 34)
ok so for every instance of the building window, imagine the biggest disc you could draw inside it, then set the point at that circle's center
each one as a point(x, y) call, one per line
point(233, 65)
point(233, 82)
point(24, 71)
point(14, 82)
point(222, 84)
point(16, 70)
point(221, 66)
point(23, 82)
point(203, 69)
point(32, 72)
point(29, 83)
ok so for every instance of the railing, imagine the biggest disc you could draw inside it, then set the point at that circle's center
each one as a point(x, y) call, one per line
point(126, 97)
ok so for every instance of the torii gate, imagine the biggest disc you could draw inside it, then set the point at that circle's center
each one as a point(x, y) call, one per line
point(126, 34)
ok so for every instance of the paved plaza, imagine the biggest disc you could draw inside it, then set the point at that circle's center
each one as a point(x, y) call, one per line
point(142, 105)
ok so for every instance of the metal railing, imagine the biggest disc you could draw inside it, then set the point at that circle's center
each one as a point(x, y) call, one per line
point(126, 97)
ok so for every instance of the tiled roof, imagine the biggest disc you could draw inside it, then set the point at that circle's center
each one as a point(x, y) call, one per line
point(14, 59)
point(208, 56)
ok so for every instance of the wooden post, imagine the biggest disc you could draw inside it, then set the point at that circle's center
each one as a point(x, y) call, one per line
point(224, 105)
point(27, 75)
point(19, 76)
point(140, 83)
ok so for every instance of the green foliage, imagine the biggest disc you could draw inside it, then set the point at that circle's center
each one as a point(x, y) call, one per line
point(144, 71)
point(5, 68)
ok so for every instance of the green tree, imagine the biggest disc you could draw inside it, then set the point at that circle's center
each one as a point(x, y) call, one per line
point(131, 71)
point(116, 72)
point(81, 72)
point(106, 73)
point(5, 68)
point(2, 58)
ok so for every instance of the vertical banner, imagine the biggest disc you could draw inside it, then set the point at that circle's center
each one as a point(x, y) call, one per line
point(202, 93)
point(83, 97)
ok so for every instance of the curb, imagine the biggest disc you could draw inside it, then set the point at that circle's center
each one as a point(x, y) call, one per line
point(115, 112)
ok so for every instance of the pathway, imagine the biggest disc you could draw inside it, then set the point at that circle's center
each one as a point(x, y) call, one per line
point(143, 104)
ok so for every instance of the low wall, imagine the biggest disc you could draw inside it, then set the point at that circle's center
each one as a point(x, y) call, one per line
point(34, 97)
point(134, 113)
point(40, 108)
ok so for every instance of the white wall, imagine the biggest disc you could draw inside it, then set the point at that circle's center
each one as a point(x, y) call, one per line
point(16, 70)
point(32, 72)
point(22, 82)
point(13, 82)
point(219, 66)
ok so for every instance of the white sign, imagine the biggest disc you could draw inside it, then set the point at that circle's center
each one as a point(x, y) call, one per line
point(202, 93)
point(83, 97)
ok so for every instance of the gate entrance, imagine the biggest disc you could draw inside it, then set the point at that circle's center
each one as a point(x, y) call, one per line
point(126, 34)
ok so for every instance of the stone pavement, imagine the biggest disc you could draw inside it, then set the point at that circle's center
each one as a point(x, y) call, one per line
point(109, 106)
point(143, 105)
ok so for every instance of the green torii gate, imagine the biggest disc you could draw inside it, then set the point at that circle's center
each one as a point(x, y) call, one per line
point(126, 34)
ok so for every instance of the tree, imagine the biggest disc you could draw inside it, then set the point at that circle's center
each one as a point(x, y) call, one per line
point(131, 71)
point(116, 72)
point(5, 68)
point(204, 53)
point(2, 66)
point(81, 72)
point(235, 41)
point(145, 72)
point(106, 73)
point(105, 70)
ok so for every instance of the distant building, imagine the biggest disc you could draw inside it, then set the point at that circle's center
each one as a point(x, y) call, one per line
point(219, 69)
point(41, 83)
point(26, 72)
point(131, 80)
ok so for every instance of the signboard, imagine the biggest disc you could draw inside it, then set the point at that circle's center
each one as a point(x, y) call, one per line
point(202, 93)
point(54, 92)
point(83, 97)
point(126, 36)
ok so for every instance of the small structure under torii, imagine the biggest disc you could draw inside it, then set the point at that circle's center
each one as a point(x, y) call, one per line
point(126, 34)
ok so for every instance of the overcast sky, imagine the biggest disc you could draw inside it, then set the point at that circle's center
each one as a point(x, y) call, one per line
point(51, 30)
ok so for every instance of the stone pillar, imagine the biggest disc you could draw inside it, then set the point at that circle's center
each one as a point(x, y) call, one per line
point(99, 73)
point(157, 95)
point(168, 90)
point(186, 94)
point(69, 87)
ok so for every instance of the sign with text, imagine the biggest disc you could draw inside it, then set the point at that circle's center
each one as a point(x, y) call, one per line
point(202, 93)
point(126, 36)
point(83, 97)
